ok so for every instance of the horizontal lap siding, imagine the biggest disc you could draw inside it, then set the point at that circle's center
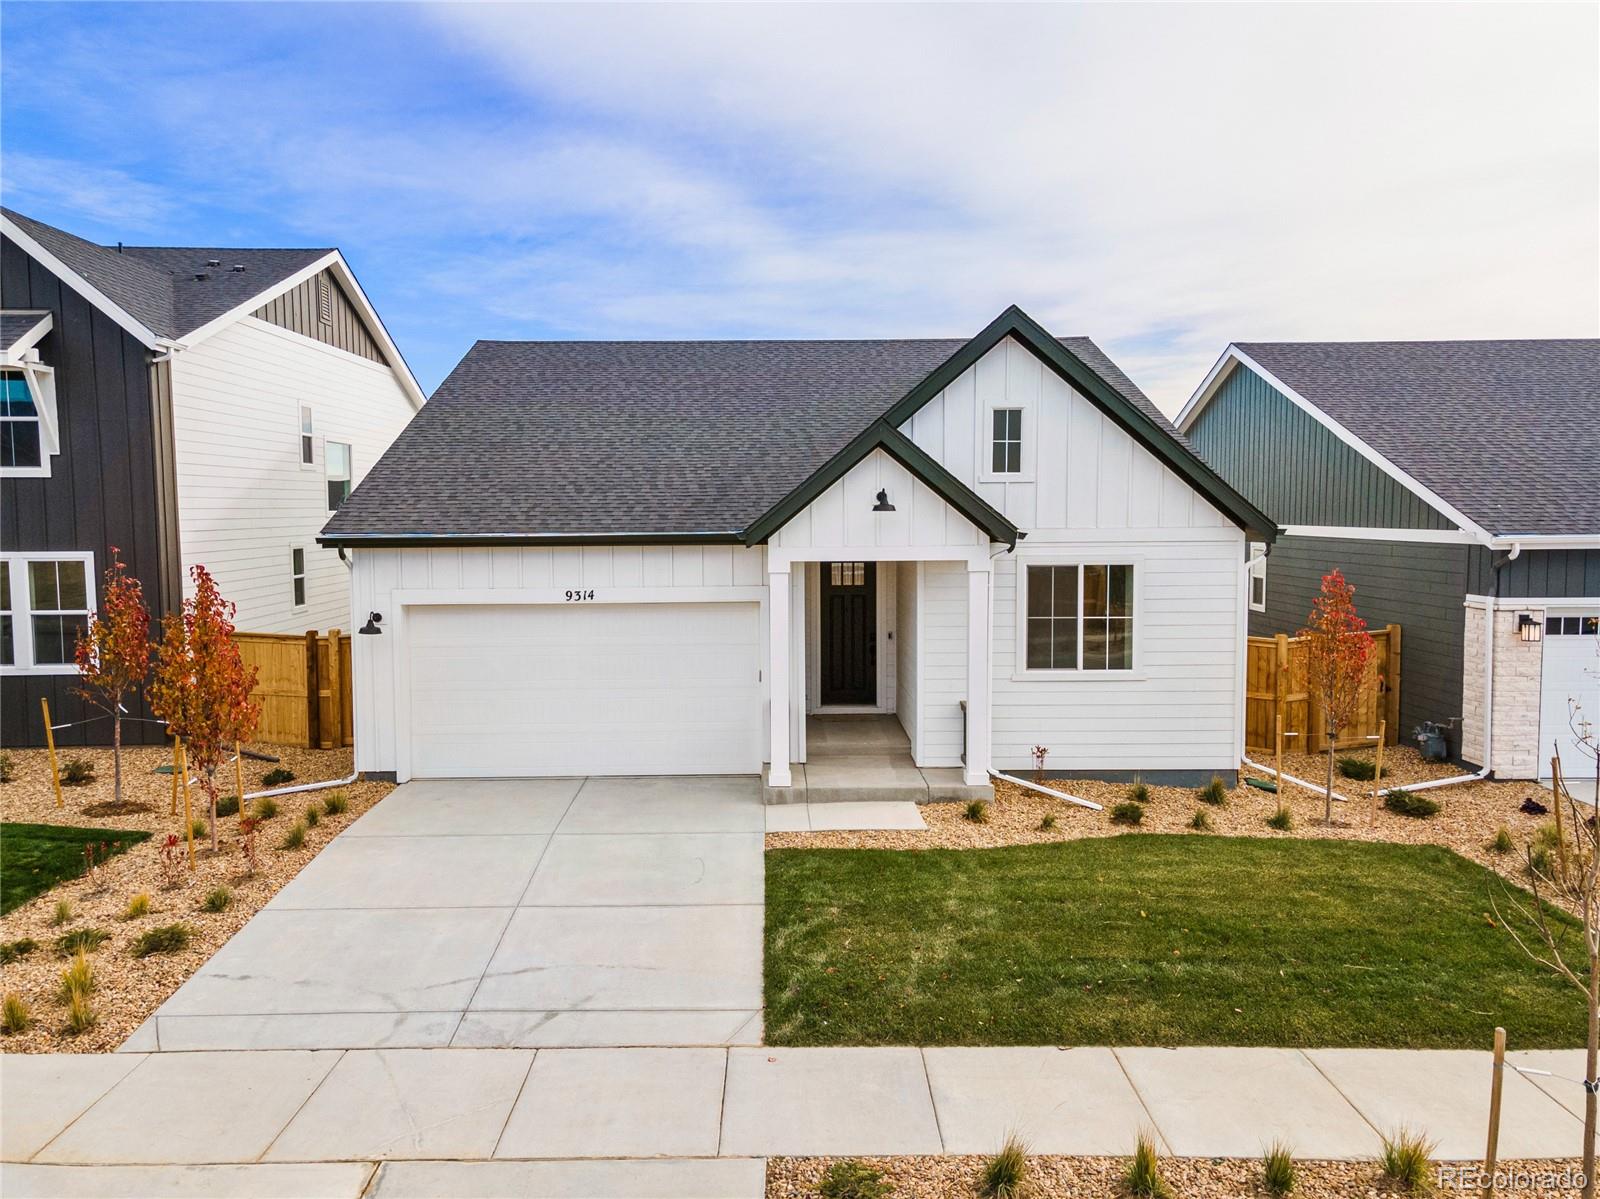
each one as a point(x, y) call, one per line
point(378, 573)
point(244, 497)
point(1419, 587)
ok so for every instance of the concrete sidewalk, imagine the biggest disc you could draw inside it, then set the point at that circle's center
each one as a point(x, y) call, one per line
point(132, 1123)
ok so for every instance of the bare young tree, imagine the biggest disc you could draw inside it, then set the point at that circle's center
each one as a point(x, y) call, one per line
point(1566, 875)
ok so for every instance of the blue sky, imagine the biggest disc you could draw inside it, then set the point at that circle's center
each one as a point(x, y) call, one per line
point(1161, 179)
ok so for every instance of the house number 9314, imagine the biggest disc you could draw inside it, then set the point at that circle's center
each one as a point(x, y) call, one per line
point(574, 597)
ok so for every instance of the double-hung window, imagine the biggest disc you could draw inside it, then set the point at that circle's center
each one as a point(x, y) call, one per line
point(1005, 449)
point(308, 443)
point(336, 457)
point(1078, 616)
point(297, 576)
point(45, 601)
point(1258, 577)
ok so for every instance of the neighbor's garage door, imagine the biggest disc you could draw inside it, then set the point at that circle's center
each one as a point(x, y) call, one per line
point(1571, 671)
point(563, 689)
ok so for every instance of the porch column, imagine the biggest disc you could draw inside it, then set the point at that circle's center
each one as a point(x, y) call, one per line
point(778, 637)
point(976, 771)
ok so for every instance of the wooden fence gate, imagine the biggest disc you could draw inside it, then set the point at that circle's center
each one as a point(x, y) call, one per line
point(1275, 685)
point(303, 686)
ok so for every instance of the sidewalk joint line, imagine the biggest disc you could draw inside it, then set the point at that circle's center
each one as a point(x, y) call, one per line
point(927, 1081)
point(90, 1106)
point(511, 1111)
point(722, 1099)
point(338, 1057)
point(1137, 1094)
point(1339, 1092)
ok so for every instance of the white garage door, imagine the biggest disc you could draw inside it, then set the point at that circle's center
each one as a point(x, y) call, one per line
point(564, 689)
point(1571, 670)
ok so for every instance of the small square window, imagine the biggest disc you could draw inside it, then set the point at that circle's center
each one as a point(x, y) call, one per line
point(297, 575)
point(1006, 446)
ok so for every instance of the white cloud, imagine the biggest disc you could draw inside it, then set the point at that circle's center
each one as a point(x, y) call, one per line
point(1162, 178)
point(99, 193)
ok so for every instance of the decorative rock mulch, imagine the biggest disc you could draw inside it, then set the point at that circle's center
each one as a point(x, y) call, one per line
point(1468, 817)
point(128, 989)
point(1101, 1178)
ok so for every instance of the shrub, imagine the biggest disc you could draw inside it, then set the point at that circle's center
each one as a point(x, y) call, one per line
point(295, 837)
point(1005, 1175)
point(1048, 823)
point(227, 805)
point(312, 816)
point(198, 830)
point(14, 1015)
point(7, 765)
point(1277, 1168)
point(1214, 793)
point(1541, 861)
point(335, 804)
point(850, 1179)
point(1409, 803)
point(63, 912)
point(76, 979)
point(1200, 822)
point(1282, 819)
point(1359, 768)
point(81, 940)
point(1406, 1159)
point(276, 777)
point(1502, 842)
point(169, 938)
point(77, 772)
point(265, 808)
point(1139, 793)
point(12, 951)
point(1129, 811)
point(138, 905)
point(1143, 1175)
point(217, 899)
point(978, 811)
point(81, 1016)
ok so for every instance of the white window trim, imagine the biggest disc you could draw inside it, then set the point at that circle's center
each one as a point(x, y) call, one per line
point(985, 440)
point(1020, 672)
point(303, 416)
point(1258, 572)
point(22, 608)
point(304, 576)
point(349, 468)
point(41, 381)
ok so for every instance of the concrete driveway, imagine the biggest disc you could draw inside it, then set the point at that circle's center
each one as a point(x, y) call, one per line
point(509, 913)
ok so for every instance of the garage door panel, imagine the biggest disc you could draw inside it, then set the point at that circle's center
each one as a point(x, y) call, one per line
point(1570, 671)
point(584, 689)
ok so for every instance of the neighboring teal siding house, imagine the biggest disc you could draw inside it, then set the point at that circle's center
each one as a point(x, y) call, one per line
point(1447, 481)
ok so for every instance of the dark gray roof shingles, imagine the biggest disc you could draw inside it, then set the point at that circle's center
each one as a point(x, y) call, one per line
point(16, 323)
point(1507, 432)
point(610, 438)
point(156, 285)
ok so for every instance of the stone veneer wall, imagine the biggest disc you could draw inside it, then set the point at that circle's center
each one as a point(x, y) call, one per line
point(1517, 673)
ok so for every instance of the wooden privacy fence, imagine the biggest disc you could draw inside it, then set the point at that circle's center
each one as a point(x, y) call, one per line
point(303, 686)
point(1275, 686)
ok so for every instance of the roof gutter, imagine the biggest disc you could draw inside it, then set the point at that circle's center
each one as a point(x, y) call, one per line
point(1516, 543)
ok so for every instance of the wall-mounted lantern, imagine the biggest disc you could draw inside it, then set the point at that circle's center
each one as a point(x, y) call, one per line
point(1529, 627)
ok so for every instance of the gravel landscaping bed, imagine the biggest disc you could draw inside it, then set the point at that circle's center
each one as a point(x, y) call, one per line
point(1101, 1178)
point(129, 988)
point(1468, 817)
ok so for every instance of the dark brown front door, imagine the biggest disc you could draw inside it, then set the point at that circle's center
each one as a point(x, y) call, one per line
point(849, 632)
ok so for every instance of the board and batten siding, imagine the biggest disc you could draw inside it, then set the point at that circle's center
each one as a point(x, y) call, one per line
point(842, 516)
point(1090, 492)
point(297, 310)
point(1420, 587)
point(1537, 574)
point(378, 573)
point(1294, 468)
point(102, 490)
point(245, 499)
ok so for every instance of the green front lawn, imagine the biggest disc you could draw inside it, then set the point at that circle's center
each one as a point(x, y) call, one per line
point(1150, 940)
point(35, 857)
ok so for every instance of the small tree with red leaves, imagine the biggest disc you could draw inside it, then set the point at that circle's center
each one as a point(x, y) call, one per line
point(1337, 650)
point(201, 686)
point(113, 655)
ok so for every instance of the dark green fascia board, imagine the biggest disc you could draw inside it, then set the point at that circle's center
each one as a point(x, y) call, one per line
point(481, 540)
point(884, 436)
point(1016, 323)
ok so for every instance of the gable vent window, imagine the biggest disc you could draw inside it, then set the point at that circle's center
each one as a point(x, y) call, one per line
point(1007, 445)
point(324, 300)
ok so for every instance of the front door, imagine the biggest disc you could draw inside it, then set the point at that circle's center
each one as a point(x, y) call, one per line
point(849, 633)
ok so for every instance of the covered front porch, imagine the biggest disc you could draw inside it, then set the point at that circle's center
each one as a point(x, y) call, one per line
point(866, 757)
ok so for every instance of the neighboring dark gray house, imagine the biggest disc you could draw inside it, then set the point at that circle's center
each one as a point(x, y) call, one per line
point(1445, 479)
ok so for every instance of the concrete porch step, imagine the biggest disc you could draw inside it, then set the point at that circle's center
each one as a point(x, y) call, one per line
point(866, 778)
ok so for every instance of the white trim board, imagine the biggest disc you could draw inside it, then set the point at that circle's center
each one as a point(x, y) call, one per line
point(1234, 357)
point(1372, 533)
point(1529, 603)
